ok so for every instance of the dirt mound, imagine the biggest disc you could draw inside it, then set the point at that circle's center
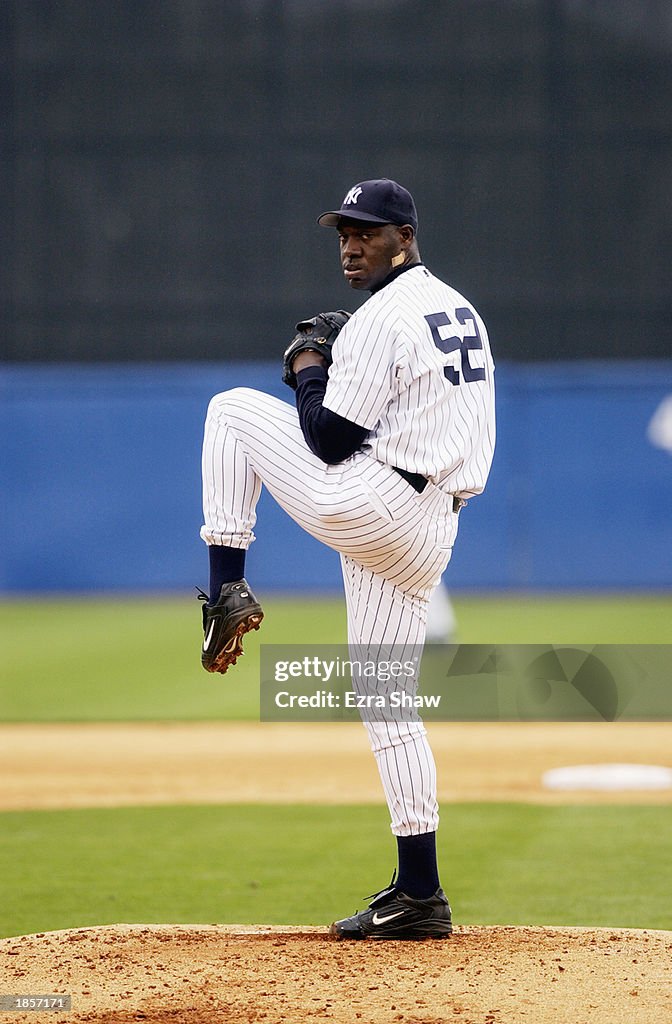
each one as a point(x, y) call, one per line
point(200, 974)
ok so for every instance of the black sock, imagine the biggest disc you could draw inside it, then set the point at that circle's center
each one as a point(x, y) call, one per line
point(226, 565)
point(418, 870)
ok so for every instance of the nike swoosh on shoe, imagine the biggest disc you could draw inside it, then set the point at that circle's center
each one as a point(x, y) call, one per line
point(389, 917)
point(206, 642)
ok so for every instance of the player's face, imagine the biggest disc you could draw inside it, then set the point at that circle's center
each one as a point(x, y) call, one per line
point(366, 252)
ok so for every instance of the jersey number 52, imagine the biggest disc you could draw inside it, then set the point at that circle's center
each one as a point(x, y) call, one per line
point(465, 344)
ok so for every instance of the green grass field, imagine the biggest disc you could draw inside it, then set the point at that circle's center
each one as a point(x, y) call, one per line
point(135, 660)
point(500, 864)
point(138, 660)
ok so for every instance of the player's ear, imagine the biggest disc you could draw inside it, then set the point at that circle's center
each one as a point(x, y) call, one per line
point(405, 236)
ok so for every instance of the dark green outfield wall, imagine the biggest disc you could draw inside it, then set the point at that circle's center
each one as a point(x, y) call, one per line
point(163, 162)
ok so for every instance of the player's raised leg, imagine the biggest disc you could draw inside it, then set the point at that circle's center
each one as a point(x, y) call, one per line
point(361, 508)
point(245, 432)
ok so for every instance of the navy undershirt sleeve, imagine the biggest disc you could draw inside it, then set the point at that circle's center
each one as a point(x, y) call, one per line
point(328, 435)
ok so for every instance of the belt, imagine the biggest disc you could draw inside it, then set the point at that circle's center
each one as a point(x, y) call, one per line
point(419, 482)
point(416, 481)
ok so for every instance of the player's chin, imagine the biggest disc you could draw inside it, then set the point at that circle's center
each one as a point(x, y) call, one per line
point(354, 279)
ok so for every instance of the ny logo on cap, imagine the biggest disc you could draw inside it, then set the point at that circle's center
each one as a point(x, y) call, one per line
point(353, 195)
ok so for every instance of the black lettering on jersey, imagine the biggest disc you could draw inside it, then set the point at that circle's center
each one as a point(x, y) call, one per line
point(452, 343)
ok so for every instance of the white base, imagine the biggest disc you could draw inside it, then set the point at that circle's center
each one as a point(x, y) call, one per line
point(609, 777)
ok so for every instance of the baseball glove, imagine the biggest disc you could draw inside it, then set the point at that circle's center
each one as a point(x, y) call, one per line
point(315, 335)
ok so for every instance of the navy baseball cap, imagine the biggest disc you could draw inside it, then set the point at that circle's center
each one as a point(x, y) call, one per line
point(379, 201)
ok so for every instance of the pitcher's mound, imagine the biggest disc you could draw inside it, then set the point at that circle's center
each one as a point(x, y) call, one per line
point(200, 974)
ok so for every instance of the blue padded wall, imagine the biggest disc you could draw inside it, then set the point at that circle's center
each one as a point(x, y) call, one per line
point(100, 482)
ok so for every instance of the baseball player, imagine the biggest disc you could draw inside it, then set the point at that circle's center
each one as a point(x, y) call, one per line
point(392, 432)
point(441, 619)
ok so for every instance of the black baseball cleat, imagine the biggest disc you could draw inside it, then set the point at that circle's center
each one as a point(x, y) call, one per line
point(394, 915)
point(236, 612)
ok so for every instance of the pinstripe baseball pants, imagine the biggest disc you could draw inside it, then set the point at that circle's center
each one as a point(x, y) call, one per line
point(393, 542)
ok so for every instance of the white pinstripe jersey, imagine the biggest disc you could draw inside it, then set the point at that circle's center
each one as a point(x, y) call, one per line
point(413, 365)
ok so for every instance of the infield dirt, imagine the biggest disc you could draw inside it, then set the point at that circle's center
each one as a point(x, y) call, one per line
point(119, 764)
